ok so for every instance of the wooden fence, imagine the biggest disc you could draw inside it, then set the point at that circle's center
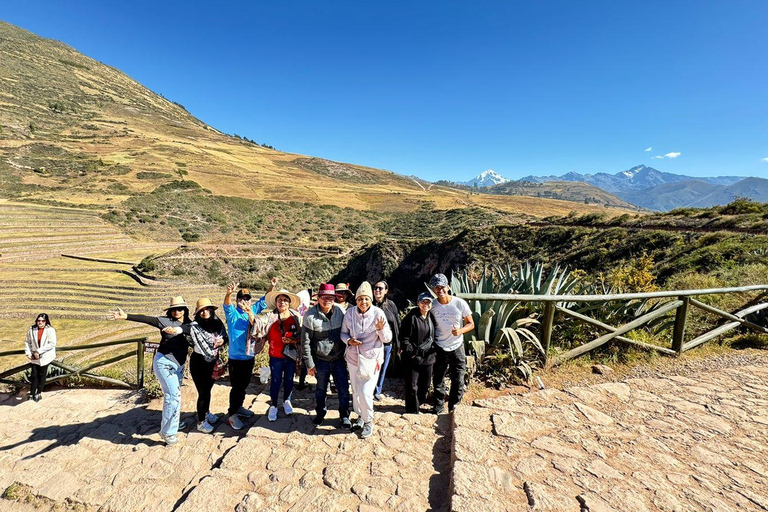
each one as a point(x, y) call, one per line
point(71, 372)
point(679, 301)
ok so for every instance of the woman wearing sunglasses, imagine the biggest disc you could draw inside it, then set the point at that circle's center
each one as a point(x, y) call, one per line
point(40, 348)
point(380, 300)
point(168, 363)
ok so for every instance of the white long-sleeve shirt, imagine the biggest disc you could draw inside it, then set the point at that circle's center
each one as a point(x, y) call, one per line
point(362, 327)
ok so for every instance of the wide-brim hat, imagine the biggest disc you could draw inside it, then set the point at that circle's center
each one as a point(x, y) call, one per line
point(272, 296)
point(344, 288)
point(177, 302)
point(204, 303)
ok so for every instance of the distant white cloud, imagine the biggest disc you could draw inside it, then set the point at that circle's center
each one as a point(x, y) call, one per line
point(648, 149)
point(657, 157)
point(673, 154)
point(765, 159)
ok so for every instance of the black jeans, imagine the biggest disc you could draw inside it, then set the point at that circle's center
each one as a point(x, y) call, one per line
point(456, 361)
point(417, 379)
point(240, 372)
point(202, 371)
point(37, 374)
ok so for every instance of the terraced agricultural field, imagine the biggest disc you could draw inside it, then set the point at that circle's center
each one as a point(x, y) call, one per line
point(76, 293)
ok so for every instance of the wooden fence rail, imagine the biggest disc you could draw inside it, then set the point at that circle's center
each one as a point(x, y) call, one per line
point(682, 301)
point(86, 371)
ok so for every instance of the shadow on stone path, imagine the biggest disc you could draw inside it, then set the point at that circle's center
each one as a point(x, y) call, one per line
point(100, 450)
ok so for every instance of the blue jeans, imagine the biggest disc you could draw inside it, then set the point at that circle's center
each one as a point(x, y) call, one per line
point(169, 374)
point(323, 370)
point(387, 354)
point(282, 370)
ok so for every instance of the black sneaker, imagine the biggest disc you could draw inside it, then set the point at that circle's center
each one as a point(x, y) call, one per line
point(319, 419)
point(438, 409)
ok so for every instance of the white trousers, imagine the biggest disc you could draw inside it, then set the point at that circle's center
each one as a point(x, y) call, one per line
point(362, 393)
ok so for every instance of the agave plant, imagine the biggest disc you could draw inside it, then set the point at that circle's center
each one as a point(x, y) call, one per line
point(503, 326)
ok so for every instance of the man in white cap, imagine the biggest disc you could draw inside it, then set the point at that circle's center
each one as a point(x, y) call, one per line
point(453, 318)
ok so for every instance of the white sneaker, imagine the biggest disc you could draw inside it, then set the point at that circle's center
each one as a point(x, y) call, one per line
point(272, 414)
point(205, 427)
point(234, 422)
point(287, 407)
point(212, 419)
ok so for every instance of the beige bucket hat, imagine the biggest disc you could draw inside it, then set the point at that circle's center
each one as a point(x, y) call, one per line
point(177, 302)
point(204, 303)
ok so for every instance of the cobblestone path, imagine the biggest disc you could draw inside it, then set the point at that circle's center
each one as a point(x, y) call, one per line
point(672, 444)
point(695, 443)
point(100, 450)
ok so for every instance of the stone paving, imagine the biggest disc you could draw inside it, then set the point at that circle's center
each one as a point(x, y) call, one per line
point(669, 444)
point(100, 450)
point(695, 443)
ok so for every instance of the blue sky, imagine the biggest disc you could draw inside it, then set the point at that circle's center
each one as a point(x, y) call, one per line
point(445, 90)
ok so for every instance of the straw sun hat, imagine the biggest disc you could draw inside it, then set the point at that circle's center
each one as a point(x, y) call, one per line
point(204, 303)
point(272, 296)
point(177, 302)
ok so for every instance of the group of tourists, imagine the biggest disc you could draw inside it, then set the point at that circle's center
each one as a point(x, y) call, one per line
point(348, 337)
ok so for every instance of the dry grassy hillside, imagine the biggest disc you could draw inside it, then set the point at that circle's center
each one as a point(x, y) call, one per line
point(78, 131)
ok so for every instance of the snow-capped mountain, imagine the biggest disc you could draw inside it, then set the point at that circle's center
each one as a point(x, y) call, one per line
point(650, 188)
point(637, 178)
point(487, 178)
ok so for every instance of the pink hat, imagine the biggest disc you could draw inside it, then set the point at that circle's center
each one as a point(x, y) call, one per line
point(326, 289)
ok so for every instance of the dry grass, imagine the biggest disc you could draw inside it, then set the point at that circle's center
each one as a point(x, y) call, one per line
point(110, 121)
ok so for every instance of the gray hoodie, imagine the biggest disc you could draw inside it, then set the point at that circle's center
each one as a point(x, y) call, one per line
point(321, 336)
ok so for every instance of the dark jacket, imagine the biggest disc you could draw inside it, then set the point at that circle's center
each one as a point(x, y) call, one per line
point(417, 337)
point(175, 344)
point(393, 319)
point(321, 336)
point(203, 332)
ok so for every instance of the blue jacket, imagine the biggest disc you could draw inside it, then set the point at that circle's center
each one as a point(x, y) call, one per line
point(238, 327)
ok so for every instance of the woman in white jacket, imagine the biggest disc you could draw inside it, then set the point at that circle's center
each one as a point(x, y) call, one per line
point(365, 331)
point(40, 348)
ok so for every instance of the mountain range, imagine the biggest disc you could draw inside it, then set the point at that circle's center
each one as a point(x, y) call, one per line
point(650, 188)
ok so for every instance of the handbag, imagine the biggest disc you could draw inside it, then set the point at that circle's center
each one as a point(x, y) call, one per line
point(290, 351)
point(219, 367)
point(366, 366)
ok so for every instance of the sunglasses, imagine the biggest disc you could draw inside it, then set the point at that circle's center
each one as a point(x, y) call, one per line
point(175, 309)
point(41, 320)
point(379, 288)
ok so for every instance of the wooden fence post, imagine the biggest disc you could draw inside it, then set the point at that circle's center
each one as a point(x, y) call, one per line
point(546, 327)
point(139, 364)
point(681, 317)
